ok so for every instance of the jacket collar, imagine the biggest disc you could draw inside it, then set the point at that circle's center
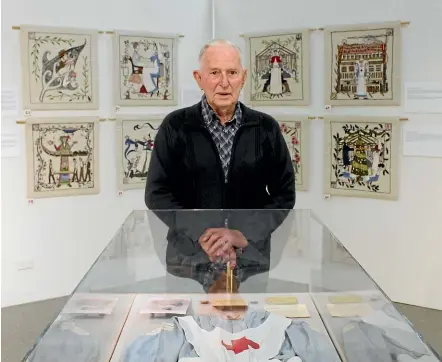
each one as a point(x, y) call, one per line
point(194, 115)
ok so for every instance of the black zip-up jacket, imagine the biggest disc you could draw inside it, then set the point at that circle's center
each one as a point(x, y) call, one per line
point(185, 172)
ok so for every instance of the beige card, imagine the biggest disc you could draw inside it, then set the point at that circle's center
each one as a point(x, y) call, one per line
point(339, 299)
point(350, 310)
point(289, 311)
point(281, 300)
point(229, 303)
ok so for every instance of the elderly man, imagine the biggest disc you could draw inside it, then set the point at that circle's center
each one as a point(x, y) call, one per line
point(220, 154)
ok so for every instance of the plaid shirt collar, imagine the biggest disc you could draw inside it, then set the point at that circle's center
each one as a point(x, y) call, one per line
point(210, 115)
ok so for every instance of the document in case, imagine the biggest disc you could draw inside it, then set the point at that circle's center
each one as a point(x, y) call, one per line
point(289, 311)
point(348, 310)
point(280, 300)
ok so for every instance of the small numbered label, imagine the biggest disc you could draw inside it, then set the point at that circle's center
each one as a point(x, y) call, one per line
point(27, 112)
point(327, 197)
point(117, 108)
point(327, 107)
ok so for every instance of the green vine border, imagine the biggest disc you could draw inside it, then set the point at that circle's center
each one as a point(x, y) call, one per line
point(380, 130)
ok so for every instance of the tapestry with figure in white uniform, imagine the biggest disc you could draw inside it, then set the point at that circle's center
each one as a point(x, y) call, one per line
point(278, 66)
point(363, 64)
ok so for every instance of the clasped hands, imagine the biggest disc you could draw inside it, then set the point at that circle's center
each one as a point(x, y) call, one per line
point(220, 243)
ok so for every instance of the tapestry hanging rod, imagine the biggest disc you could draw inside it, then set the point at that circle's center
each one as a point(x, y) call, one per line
point(312, 117)
point(114, 119)
point(403, 23)
point(21, 121)
point(16, 27)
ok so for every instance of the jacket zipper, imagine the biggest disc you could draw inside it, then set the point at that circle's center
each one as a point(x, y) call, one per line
point(229, 173)
point(232, 154)
point(218, 160)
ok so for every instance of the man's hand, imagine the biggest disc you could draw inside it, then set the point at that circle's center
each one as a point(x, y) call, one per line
point(221, 243)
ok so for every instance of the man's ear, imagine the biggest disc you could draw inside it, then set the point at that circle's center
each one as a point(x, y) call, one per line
point(197, 76)
point(244, 77)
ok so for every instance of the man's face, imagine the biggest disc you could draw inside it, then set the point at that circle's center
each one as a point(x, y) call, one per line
point(221, 75)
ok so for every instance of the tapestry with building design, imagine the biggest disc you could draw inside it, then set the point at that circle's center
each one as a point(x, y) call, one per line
point(361, 156)
point(278, 68)
point(135, 142)
point(146, 69)
point(295, 131)
point(363, 65)
point(62, 156)
point(59, 68)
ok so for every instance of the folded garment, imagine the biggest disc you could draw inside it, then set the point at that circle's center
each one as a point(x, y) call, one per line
point(258, 336)
point(66, 343)
point(406, 358)
point(365, 342)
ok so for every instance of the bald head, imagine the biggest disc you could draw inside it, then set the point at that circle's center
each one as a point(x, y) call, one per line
point(219, 43)
point(220, 75)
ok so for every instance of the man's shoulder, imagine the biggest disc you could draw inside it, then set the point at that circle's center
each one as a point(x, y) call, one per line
point(265, 120)
point(175, 119)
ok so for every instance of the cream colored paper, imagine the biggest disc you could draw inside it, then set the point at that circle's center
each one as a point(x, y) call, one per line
point(339, 299)
point(349, 310)
point(280, 300)
point(289, 311)
point(229, 303)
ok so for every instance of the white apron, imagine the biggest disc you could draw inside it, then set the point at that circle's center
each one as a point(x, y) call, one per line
point(254, 344)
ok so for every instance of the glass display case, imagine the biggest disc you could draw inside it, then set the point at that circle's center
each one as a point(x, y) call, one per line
point(228, 285)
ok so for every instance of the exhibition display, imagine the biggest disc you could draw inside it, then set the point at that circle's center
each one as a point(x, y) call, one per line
point(362, 68)
point(293, 293)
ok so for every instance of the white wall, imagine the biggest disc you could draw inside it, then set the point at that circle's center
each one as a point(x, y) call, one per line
point(63, 236)
point(399, 242)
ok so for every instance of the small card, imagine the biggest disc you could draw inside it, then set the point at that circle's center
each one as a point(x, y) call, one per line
point(289, 311)
point(166, 306)
point(229, 303)
point(339, 299)
point(348, 310)
point(281, 300)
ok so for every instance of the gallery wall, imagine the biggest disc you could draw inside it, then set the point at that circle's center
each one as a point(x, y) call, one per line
point(56, 240)
point(397, 242)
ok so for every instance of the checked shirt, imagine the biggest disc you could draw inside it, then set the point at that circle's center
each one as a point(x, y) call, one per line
point(223, 135)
